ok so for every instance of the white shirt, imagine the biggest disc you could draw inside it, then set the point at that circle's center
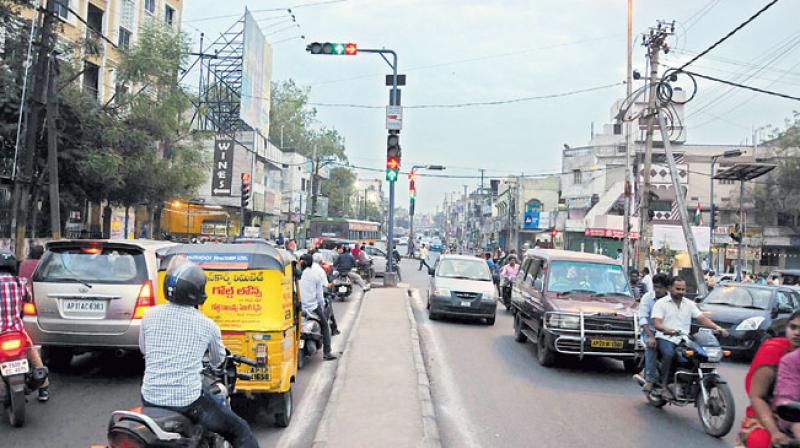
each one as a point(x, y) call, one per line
point(312, 283)
point(423, 253)
point(648, 280)
point(675, 317)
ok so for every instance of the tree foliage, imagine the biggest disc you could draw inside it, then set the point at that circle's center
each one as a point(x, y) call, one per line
point(775, 195)
point(339, 190)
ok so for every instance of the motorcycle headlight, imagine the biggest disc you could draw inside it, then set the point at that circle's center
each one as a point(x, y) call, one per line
point(441, 292)
point(714, 353)
point(563, 321)
point(750, 324)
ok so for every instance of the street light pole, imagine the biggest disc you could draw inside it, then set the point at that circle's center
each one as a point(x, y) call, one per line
point(412, 173)
point(712, 220)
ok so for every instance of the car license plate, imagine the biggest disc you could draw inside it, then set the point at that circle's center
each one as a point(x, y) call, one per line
point(343, 289)
point(709, 365)
point(607, 343)
point(88, 307)
point(466, 303)
point(14, 367)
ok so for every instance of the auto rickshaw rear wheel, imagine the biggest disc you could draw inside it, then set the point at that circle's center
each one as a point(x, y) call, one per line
point(286, 406)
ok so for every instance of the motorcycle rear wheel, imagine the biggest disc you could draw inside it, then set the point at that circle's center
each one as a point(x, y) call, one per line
point(720, 399)
point(16, 409)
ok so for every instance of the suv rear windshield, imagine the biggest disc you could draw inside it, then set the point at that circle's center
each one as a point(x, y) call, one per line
point(598, 278)
point(92, 264)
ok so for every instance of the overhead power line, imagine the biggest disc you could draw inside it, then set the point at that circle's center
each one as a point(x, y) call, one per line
point(742, 86)
point(730, 33)
point(231, 16)
point(474, 103)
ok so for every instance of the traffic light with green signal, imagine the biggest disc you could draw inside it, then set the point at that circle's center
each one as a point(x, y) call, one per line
point(392, 157)
point(333, 48)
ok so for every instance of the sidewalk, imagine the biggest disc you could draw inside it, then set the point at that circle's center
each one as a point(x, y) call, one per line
point(381, 388)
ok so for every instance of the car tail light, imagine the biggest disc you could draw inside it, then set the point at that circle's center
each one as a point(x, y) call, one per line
point(145, 300)
point(12, 345)
point(29, 309)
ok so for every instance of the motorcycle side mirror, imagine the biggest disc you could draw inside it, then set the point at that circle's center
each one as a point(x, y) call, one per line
point(789, 411)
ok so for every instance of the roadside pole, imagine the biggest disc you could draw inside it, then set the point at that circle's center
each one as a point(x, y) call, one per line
point(52, 150)
point(24, 179)
point(626, 224)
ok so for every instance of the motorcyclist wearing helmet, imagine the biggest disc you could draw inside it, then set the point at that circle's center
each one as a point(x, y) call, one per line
point(173, 339)
point(12, 297)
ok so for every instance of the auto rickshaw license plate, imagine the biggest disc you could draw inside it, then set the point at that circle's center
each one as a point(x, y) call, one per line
point(607, 343)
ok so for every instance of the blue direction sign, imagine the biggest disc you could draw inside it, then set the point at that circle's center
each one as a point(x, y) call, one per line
point(531, 220)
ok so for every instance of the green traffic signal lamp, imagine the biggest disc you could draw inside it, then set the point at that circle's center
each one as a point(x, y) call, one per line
point(412, 193)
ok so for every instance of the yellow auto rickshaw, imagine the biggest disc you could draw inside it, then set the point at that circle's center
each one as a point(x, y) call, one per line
point(253, 297)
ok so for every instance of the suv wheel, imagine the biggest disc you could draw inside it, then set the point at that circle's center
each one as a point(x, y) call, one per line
point(545, 355)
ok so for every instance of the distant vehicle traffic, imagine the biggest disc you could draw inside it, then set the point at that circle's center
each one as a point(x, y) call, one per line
point(462, 286)
point(348, 229)
point(575, 304)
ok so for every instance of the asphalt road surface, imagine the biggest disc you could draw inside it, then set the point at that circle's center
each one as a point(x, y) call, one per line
point(490, 391)
point(83, 398)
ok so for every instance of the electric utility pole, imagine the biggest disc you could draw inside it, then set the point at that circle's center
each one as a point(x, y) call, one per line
point(23, 182)
point(655, 41)
point(52, 150)
point(626, 222)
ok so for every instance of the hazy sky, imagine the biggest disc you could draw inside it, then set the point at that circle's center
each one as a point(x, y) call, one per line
point(457, 51)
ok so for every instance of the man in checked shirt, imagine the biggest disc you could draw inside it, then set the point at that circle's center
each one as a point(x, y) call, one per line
point(173, 339)
point(11, 300)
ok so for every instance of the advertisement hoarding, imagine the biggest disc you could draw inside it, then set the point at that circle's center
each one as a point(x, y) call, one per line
point(256, 77)
point(222, 170)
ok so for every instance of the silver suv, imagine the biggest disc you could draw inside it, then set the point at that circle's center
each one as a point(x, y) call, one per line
point(91, 294)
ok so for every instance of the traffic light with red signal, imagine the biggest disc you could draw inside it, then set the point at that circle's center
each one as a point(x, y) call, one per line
point(246, 190)
point(553, 232)
point(412, 189)
point(393, 157)
point(333, 48)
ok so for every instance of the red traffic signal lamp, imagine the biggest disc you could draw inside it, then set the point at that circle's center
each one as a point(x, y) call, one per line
point(554, 232)
point(333, 48)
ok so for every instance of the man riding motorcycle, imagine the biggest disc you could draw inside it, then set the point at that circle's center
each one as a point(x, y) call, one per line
point(672, 316)
point(346, 264)
point(173, 339)
point(312, 284)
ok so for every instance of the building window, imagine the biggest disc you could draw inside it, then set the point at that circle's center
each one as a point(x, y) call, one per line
point(169, 15)
point(62, 8)
point(94, 19)
point(302, 184)
point(617, 128)
point(769, 258)
point(785, 220)
point(127, 12)
point(577, 177)
point(150, 6)
point(124, 38)
point(91, 78)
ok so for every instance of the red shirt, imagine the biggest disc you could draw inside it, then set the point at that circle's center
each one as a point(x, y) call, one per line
point(769, 354)
point(10, 303)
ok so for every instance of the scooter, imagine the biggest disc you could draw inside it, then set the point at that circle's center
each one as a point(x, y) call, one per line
point(159, 427)
point(311, 332)
point(18, 378)
point(366, 271)
point(342, 285)
point(505, 288)
point(697, 382)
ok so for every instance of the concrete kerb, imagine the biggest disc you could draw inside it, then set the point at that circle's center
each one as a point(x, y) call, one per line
point(321, 436)
point(431, 433)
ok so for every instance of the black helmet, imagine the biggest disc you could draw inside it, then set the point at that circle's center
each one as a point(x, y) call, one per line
point(8, 262)
point(185, 284)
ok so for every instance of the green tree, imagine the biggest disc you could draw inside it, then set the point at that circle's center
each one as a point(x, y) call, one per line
point(339, 190)
point(775, 195)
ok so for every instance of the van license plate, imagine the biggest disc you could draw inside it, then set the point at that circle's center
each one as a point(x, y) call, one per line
point(88, 307)
point(466, 303)
point(14, 367)
point(343, 289)
point(607, 343)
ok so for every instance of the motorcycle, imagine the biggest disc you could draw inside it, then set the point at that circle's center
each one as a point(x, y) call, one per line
point(159, 427)
point(342, 285)
point(311, 332)
point(696, 381)
point(366, 270)
point(18, 378)
point(505, 288)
